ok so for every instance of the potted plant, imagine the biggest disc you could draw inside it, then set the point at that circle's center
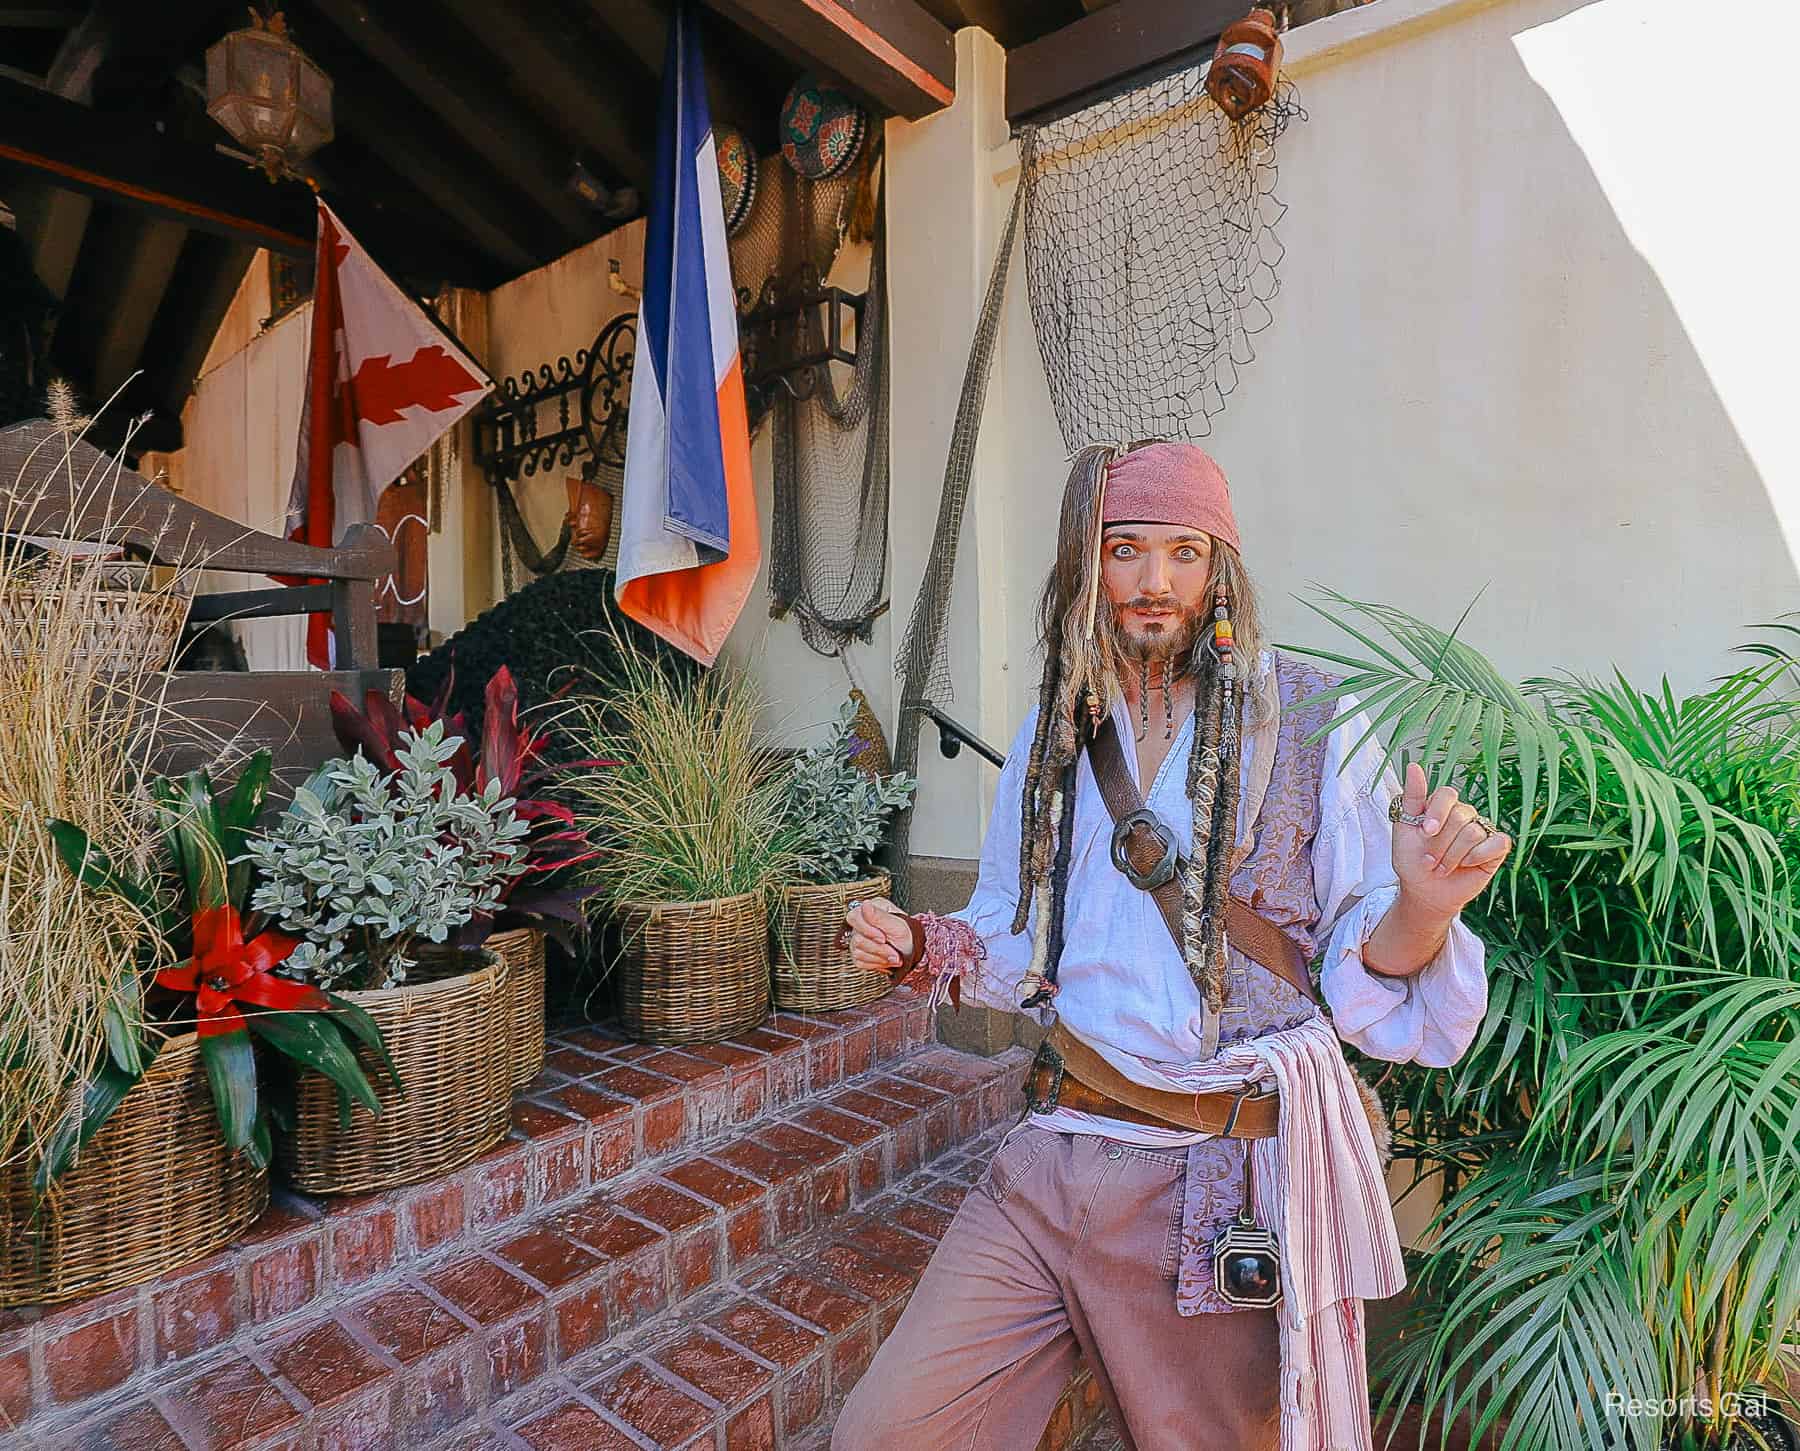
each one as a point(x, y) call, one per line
point(691, 836)
point(838, 809)
point(108, 1095)
point(177, 1090)
point(364, 867)
point(1613, 1260)
point(540, 898)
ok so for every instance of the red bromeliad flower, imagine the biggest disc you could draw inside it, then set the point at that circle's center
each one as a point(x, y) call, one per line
point(225, 971)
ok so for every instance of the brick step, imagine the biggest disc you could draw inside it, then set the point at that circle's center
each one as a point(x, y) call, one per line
point(765, 1360)
point(397, 1347)
point(602, 1108)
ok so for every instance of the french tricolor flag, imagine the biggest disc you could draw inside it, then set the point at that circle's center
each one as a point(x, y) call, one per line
point(688, 540)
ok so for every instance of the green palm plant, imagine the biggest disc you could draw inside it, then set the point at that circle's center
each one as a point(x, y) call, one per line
point(1613, 1262)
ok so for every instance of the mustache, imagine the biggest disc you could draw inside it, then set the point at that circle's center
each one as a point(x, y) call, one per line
point(1145, 602)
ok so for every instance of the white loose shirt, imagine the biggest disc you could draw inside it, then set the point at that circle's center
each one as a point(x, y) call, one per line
point(1122, 985)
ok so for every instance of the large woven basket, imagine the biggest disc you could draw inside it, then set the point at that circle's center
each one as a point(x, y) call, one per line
point(813, 972)
point(117, 629)
point(155, 1189)
point(523, 951)
point(693, 972)
point(451, 1042)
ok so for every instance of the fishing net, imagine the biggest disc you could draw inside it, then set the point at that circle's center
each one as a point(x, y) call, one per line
point(1151, 255)
point(829, 423)
point(923, 664)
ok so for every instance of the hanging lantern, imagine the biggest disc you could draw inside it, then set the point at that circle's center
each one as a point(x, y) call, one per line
point(263, 89)
point(1244, 67)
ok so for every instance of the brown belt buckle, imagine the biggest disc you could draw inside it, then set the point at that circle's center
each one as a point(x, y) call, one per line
point(1051, 1061)
point(1246, 1094)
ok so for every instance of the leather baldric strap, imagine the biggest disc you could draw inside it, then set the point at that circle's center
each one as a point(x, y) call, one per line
point(1252, 934)
point(1070, 1074)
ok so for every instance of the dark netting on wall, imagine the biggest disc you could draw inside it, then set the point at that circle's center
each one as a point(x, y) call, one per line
point(1151, 255)
point(828, 557)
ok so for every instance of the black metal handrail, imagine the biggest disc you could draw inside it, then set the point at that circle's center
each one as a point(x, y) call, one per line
point(953, 736)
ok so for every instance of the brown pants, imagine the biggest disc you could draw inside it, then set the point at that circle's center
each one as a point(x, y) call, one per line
point(1069, 1244)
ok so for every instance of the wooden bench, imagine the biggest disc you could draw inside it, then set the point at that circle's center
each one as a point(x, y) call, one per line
point(49, 487)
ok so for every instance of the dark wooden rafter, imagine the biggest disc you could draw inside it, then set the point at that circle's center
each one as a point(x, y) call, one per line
point(92, 153)
point(1130, 41)
point(457, 86)
point(480, 204)
point(206, 279)
point(604, 105)
point(892, 51)
point(739, 66)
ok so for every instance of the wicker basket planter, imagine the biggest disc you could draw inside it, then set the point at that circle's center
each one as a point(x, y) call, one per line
point(156, 1189)
point(813, 973)
point(693, 972)
point(522, 949)
point(451, 1042)
point(119, 629)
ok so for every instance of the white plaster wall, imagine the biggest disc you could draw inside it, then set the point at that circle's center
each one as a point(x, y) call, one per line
point(1530, 345)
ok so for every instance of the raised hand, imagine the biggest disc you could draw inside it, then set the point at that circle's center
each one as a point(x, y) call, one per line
point(1449, 858)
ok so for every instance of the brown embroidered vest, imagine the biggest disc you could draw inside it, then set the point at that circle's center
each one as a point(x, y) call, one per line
point(1276, 878)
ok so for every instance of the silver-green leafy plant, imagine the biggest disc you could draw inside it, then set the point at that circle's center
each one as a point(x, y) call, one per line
point(838, 809)
point(364, 863)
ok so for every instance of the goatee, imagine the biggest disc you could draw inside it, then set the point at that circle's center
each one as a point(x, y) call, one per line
point(1173, 641)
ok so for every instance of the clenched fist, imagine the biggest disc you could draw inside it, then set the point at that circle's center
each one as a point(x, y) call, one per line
point(881, 936)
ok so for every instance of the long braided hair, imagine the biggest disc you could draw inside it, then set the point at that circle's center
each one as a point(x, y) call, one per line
point(1084, 654)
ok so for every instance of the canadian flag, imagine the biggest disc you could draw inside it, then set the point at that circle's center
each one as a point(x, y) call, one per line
point(382, 383)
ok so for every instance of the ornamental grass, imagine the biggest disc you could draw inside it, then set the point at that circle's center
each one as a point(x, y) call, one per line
point(74, 725)
point(690, 807)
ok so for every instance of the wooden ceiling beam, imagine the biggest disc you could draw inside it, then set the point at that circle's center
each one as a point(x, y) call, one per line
point(470, 207)
point(893, 51)
point(120, 158)
point(147, 263)
point(52, 222)
point(1131, 40)
point(463, 95)
point(199, 294)
point(606, 105)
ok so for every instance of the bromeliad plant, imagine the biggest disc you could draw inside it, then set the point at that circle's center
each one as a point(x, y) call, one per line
point(512, 755)
point(1619, 1151)
point(227, 983)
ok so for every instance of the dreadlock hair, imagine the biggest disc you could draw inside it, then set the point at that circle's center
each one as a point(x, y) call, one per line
point(1083, 661)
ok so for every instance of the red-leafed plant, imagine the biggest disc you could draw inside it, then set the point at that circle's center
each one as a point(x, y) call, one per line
point(510, 753)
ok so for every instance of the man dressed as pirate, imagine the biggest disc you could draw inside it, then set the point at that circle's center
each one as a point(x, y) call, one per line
point(1194, 1202)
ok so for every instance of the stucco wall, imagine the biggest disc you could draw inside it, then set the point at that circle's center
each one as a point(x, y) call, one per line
point(1528, 347)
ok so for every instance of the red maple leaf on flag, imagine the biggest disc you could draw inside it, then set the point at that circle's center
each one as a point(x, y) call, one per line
point(429, 379)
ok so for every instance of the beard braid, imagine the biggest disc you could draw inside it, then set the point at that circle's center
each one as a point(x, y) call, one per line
point(1204, 769)
point(1030, 797)
point(1222, 839)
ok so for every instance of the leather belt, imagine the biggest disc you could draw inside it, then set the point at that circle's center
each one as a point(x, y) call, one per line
point(1067, 1073)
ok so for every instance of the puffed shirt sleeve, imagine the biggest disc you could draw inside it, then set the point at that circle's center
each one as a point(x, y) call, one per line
point(1430, 1017)
point(991, 975)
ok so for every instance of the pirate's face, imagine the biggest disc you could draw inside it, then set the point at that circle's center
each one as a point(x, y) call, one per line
point(1156, 578)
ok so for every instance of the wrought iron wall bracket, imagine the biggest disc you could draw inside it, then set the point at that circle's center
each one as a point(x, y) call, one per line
point(550, 416)
point(783, 339)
